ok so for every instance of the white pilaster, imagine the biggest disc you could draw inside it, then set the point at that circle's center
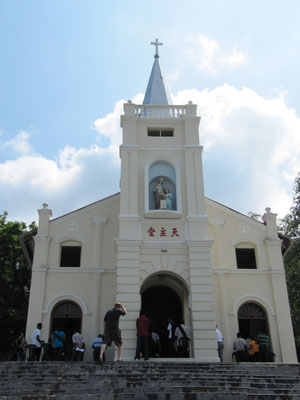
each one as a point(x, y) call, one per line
point(39, 271)
point(280, 295)
point(128, 292)
point(98, 223)
point(202, 301)
point(96, 294)
point(42, 239)
point(217, 224)
point(223, 307)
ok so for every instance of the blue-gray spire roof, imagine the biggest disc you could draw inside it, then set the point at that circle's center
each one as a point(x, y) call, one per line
point(157, 92)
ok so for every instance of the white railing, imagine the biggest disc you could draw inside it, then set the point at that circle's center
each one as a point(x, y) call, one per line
point(159, 111)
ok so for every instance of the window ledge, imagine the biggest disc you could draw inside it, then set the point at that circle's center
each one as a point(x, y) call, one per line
point(163, 214)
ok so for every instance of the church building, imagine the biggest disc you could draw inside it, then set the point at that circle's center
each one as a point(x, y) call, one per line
point(161, 245)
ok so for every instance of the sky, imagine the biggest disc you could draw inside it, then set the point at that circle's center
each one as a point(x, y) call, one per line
point(67, 67)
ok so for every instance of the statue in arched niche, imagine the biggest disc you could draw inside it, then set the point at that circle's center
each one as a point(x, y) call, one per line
point(159, 192)
point(168, 197)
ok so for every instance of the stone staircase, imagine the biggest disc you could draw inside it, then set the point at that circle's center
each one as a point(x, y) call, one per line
point(152, 380)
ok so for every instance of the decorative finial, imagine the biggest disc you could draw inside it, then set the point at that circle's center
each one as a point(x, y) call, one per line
point(156, 44)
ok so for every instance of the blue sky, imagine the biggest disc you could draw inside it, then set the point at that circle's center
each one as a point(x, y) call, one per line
point(67, 66)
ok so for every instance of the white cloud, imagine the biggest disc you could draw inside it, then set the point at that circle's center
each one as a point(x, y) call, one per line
point(77, 178)
point(207, 56)
point(251, 157)
point(19, 144)
point(109, 126)
point(259, 136)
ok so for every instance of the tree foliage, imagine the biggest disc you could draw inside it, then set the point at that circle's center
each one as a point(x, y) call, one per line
point(254, 215)
point(291, 222)
point(292, 269)
point(15, 275)
point(291, 227)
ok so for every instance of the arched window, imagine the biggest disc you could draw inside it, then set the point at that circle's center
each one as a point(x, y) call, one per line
point(162, 186)
point(67, 309)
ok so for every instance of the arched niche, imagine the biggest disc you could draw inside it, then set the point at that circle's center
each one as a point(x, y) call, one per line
point(162, 186)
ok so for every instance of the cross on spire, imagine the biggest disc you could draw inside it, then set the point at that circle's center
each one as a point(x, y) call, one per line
point(156, 44)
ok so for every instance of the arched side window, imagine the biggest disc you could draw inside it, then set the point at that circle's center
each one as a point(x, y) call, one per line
point(252, 318)
point(66, 316)
point(162, 186)
point(70, 254)
point(66, 309)
point(245, 256)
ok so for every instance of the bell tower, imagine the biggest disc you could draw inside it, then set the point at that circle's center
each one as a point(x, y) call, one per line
point(162, 221)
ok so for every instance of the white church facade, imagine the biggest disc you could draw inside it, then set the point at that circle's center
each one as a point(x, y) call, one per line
point(162, 245)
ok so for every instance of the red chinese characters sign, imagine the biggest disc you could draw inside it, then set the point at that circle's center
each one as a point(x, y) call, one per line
point(163, 232)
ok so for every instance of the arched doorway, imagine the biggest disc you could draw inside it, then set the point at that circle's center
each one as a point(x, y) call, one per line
point(66, 316)
point(164, 296)
point(252, 317)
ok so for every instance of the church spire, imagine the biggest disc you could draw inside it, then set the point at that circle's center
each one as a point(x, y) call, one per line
point(156, 92)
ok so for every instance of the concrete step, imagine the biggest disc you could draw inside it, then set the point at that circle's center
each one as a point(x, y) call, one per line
point(155, 396)
point(148, 380)
point(107, 380)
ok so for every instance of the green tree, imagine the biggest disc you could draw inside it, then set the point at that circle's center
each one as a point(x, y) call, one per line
point(292, 270)
point(15, 275)
point(291, 222)
point(254, 215)
point(290, 225)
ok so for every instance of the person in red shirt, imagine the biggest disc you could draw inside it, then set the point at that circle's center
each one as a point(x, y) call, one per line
point(142, 333)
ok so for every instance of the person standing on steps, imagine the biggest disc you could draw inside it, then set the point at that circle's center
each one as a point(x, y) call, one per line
point(20, 344)
point(220, 340)
point(79, 346)
point(183, 338)
point(36, 340)
point(142, 339)
point(58, 339)
point(263, 341)
point(240, 347)
point(171, 338)
point(112, 332)
point(96, 346)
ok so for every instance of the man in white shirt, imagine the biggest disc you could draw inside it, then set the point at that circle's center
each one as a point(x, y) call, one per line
point(220, 340)
point(79, 346)
point(183, 337)
point(171, 338)
point(36, 340)
point(240, 347)
point(155, 348)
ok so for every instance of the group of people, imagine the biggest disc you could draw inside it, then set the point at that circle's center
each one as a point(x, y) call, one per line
point(179, 338)
point(251, 350)
point(148, 342)
point(56, 347)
